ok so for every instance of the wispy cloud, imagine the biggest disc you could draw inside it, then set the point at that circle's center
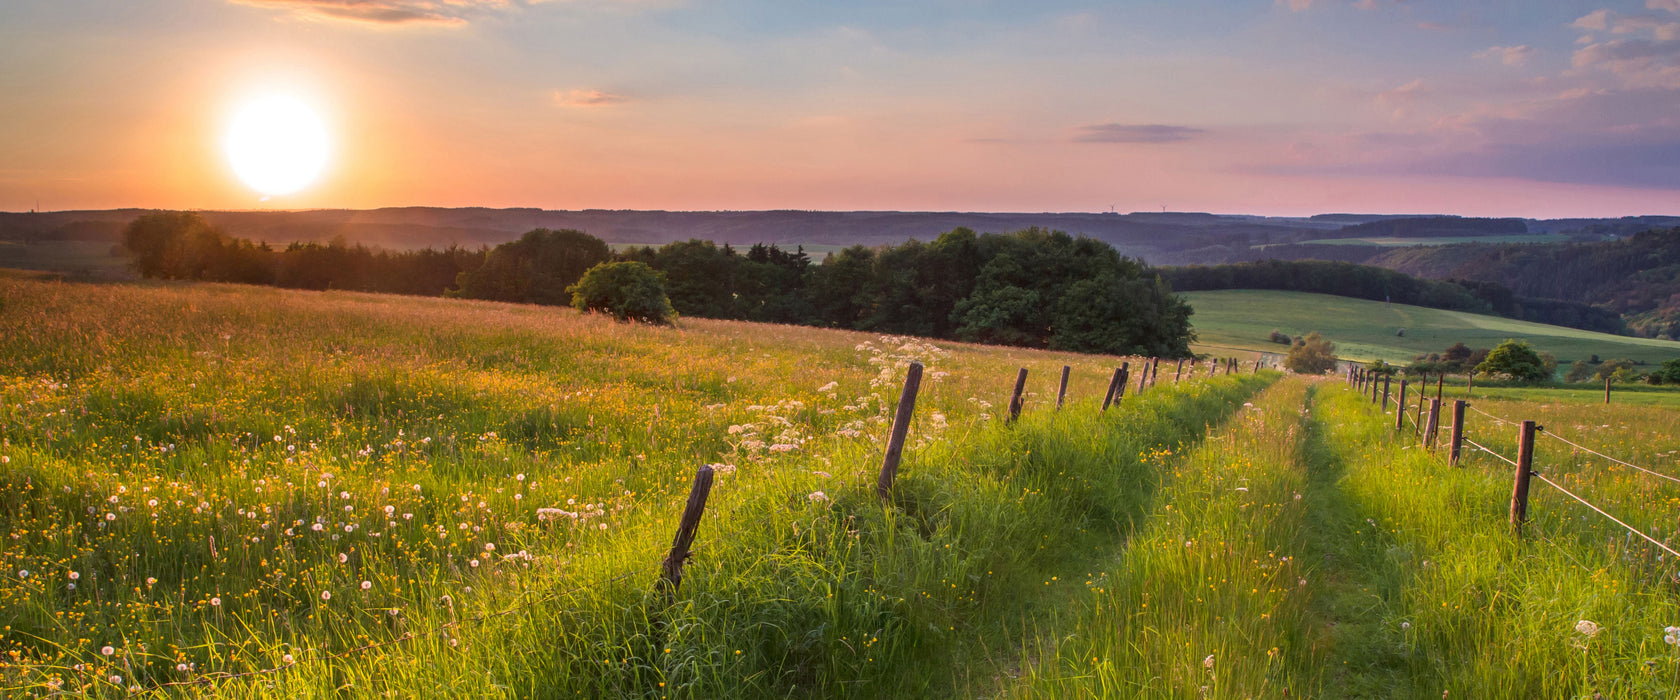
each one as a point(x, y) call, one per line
point(587, 98)
point(1508, 55)
point(381, 12)
point(1136, 133)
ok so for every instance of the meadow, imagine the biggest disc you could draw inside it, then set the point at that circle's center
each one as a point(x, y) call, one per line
point(1369, 330)
point(229, 491)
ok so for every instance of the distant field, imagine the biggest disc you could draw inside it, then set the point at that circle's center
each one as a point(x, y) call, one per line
point(1389, 241)
point(80, 258)
point(1368, 330)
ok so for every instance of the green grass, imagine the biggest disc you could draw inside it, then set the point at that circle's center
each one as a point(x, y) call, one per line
point(78, 259)
point(1366, 330)
point(169, 451)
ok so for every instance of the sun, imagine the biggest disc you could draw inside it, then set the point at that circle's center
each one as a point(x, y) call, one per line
point(277, 145)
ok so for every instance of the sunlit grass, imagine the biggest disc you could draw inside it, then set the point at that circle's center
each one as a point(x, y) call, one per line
point(351, 488)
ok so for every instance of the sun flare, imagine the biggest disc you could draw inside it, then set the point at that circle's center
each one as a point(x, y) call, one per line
point(277, 145)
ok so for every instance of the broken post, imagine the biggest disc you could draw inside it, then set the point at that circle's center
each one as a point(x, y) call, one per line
point(900, 428)
point(671, 578)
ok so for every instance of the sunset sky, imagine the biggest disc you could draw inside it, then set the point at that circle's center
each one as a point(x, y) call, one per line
point(1492, 107)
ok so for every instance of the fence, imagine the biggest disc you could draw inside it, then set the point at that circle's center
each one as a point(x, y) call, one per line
point(1523, 464)
point(671, 567)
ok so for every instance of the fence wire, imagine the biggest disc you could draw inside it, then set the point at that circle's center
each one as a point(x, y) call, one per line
point(1629, 465)
point(1478, 446)
point(1600, 511)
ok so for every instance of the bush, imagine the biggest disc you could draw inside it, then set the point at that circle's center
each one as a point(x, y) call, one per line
point(1311, 355)
point(1578, 372)
point(1281, 338)
point(1514, 359)
point(627, 290)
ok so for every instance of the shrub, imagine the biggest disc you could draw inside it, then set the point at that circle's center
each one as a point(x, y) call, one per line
point(626, 290)
point(1514, 359)
point(1311, 355)
point(1281, 338)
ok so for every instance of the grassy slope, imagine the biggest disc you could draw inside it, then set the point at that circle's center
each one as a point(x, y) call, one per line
point(1367, 329)
point(252, 414)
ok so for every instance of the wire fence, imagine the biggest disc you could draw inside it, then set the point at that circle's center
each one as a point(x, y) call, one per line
point(1519, 496)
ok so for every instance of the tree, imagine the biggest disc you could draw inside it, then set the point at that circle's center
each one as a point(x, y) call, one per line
point(1380, 368)
point(1669, 372)
point(1619, 369)
point(539, 268)
point(1313, 355)
point(626, 290)
point(1578, 372)
point(1516, 360)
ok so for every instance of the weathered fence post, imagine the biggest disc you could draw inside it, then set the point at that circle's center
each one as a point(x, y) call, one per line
point(1017, 399)
point(1457, 445)
point(672, 576)
point(1433, 428)
point(1373, 388)
point(1470, 383)
point(1257, 362)
point(1423, 398)
point(1108, 396)
point(1519, 489)
point(1400, 409)
point(1607, 391)
point(1178, 373)
point(1125, 378)
point(1143, 376)
point(900, 428)
point(1061, 392)
point(1387, 378)
point(1440, 385)
point(1154, 370)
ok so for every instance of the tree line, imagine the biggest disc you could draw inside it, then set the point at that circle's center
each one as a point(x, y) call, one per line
point(1382, 284)
point(1032, 288)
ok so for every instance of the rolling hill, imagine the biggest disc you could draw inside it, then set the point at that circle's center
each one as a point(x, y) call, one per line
point(1365, 330)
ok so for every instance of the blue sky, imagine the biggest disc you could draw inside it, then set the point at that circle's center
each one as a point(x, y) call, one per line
point(1276, 107)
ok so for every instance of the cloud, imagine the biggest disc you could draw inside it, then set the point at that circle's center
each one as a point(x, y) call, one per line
point(1400, 100)
point(1670, 5)
point(1508, 55)
point(381, 12)
point(587, 98)
point(1136, 133)
point(1595, 21)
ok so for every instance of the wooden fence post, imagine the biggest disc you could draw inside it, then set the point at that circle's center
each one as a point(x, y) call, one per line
point(1061, 392)
point(1125, 378)
point(1432, 430)
point(1400, 409)
point(672, 575)
point(1423, 398)
point(1017, 399)
point(1154, 370)
point(1470, 383)
point(1143, 376)
point(1457, 445)
point(1375, 385)
point(1178, 373)
point(900, 428)
point(1108, 396)
point(1519, 489)
point(1606, 391)
point(1440, 385)
point(1387, 378)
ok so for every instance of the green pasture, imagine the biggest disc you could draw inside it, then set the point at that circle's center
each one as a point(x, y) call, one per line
point(1367, 330)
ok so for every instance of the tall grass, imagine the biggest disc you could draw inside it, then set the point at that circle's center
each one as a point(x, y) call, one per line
point(383, 496)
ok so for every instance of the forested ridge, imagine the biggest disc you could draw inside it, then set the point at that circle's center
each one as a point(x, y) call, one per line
point(1637, 276)
point(1030, 288)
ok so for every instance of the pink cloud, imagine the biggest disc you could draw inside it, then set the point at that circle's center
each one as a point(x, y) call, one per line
point(380, 12)
point(587, 98)
point(1595, 21)
point(1508, 55)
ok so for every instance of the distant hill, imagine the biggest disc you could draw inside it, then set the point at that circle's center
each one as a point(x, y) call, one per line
point(1162, 238)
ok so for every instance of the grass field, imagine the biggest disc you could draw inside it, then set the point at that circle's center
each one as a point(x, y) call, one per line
point(226, 491)
point(1367, 330)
